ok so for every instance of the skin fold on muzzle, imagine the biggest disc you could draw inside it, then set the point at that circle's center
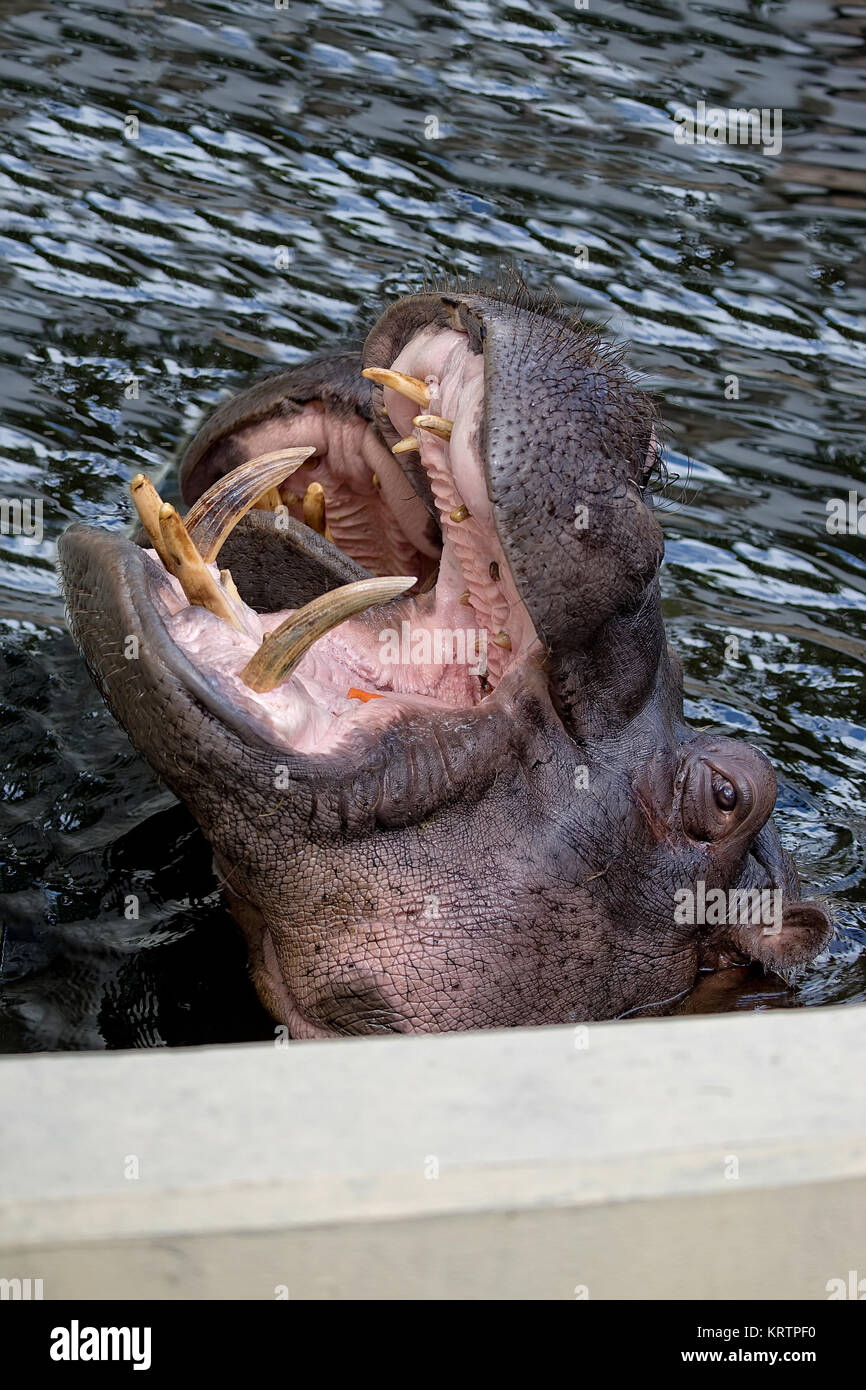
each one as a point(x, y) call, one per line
point(404, 660)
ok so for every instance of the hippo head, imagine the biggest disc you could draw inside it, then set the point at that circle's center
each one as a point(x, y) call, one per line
point(474, 803)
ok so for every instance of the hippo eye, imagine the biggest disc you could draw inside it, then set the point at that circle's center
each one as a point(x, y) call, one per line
point(724, 794)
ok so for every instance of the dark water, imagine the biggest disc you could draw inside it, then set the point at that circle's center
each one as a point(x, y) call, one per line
point(282, 185)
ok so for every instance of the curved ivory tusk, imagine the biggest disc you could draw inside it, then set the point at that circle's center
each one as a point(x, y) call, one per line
point(220, 509)
point(281, 650)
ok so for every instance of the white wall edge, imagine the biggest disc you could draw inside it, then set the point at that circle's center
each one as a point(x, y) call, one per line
point(258, 1159)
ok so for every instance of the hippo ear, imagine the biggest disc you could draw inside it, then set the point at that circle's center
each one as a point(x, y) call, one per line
point(791, 940)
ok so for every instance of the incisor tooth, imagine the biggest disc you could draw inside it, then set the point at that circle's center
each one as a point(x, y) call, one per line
point(220, 509)
point(147, 503)
point(190, 570)
point(436, 424)
point(281, 650)
point(229, 585)
point(405, 446)
point(398, 381)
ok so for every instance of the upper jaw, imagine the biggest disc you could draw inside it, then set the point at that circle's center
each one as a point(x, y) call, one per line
point(561, 436)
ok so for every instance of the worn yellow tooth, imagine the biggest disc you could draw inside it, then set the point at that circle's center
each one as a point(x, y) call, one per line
point(220, 509)
point(501, 639)
point(147, 503)
point(405, 446)
point(375, 480)
point(314, 508)
point(230, 586)
point(190, 570)
point(436, 424)
point(281, 651)
point(493, 570)
point(464, 597)
point(461, 513)
point(409, 386)
point(269, 501)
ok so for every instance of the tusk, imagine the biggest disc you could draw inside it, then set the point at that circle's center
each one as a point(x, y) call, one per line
point(405, 446)
point(147, 503)
point(190, 570)
point(398, 381)
point(220, 509)
point(281, 650)
point(436, 424)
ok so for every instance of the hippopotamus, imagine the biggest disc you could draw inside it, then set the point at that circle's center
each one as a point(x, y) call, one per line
point(404, 660)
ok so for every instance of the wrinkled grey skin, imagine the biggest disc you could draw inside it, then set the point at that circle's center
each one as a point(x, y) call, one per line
point(511, 863)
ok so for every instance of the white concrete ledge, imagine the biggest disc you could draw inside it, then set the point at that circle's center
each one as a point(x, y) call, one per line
point(694, 1157)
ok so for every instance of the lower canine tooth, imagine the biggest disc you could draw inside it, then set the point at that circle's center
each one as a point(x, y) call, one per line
point(190, 570)
point(461, 513)
point(436, 424)
point(501, 639)
point(398, 381)
point(220, 509)
point(281, 650)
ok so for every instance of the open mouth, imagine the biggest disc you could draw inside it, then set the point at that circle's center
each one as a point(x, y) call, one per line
point(434, 618)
